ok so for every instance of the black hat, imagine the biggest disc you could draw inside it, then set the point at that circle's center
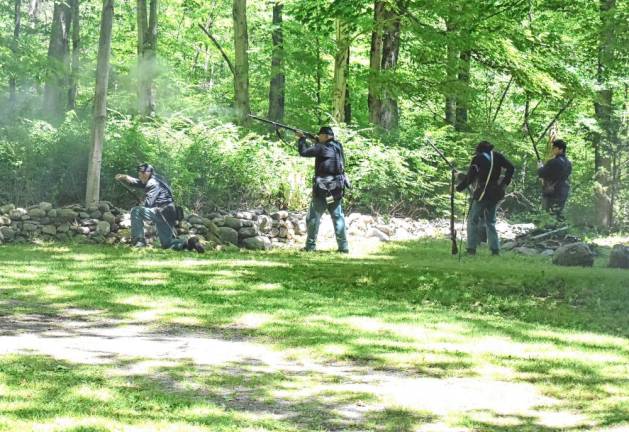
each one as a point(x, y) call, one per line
point(560, 144)
point(326, 130)
point(145, 167)
point(484, 146)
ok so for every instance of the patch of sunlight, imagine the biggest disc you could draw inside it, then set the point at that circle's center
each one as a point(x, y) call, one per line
point(491, 419)
point(16, 405)
point(4, 390)
point(69, 423)
point(584, 338)
point(200, 411)
point(141, 367)
point(506, 347)
point(186, 321)
point(441, 427)
point(186, 262)
point(153, 309)
point(94, 393)
point(87, 257)
point(267, 286)
point(144, 278)
point(334, 349)
point(562, 419)
point(495, 372)
point(25, 273)
point(256, 263)
point(223, 283)
point(54, 291)
point(252, 320)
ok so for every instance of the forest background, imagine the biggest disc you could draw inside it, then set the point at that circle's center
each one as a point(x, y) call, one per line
point(89, 89)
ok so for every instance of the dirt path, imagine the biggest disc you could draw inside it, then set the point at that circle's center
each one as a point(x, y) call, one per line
point(134, 348)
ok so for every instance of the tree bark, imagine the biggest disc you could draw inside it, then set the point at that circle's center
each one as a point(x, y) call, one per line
point(147, 64)
point(375, 62)
point(451, 72)
point(58, 73)
point(92, 192)
point(278, 79)
point(14, 48)
point(389, 113)
point(76, 46)
point(340, 64)
point(347, 109)
point(463, 94)
point(603, 112)
point(241, 66)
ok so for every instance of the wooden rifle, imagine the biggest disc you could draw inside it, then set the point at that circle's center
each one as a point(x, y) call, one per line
point(453, 171)
point(277, 126)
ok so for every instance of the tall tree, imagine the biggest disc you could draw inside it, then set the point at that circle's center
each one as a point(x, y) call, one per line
point(340, 70)
point(278, 79)
point(389, 114)
point(241, 66)
point(14, 48)
point(463, 94)
point(92, 192)
point(375, 63)
point(147, 46)
point(76, 46)
point(58, 67)
point(603, 111)
point(452, 54)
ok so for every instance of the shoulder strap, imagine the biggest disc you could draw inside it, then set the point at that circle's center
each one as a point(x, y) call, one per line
point(491, 168)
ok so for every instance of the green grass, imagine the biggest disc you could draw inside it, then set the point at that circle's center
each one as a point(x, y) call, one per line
point(409, 311)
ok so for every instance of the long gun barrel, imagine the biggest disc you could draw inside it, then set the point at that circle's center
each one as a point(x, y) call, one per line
point(277, 125)
point(453, 238)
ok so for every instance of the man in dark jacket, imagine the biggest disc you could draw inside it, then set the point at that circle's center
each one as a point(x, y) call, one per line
point(555, 174)
point(158, 207)
point(484, 173)
point(329, 185)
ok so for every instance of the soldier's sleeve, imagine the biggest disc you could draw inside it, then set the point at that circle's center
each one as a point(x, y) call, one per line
point(472, 172)
point(306, 151)
point(509, 168)
point(136, 183)
point(151, 191)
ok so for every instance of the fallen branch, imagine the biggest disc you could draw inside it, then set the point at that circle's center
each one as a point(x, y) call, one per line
point(218, 46)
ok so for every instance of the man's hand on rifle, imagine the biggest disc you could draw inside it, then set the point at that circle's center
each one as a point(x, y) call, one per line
point(540, 164)
point(300, 135)
point(123, 177)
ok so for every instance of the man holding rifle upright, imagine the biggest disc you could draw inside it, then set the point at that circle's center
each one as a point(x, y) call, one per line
point(328, 186)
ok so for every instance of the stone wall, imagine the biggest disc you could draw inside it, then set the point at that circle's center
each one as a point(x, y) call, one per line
point(252, 229)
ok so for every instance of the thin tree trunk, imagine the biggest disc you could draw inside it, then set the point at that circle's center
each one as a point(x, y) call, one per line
point(76, 46)
point(58, 74)
point(340, 63)
point(347, 111)
point(389, 113)
point(147, 46)
point(603, 111)
point(451, 72)
point(278, 79)
point(463, 95)
point(375, 62)
point(318, 77)
point(92, 192)
point(241, 66)
point(14, 48)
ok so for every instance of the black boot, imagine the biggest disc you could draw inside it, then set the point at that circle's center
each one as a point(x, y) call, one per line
point(195, 244)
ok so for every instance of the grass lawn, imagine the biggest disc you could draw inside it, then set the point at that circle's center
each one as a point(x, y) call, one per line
point(404, 339)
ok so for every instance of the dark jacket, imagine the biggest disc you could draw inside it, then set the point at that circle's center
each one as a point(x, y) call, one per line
point(555, 174)
point(328, 157)
point(478, 171)
point(157, 193)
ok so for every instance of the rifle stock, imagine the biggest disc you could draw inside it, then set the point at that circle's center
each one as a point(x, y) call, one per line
point(277, 125)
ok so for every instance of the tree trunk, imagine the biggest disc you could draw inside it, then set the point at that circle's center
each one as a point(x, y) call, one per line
point(463, 94)
point(451, 72)
point(340, 64)
point(76, 45)
point(92, 192)
point(375, 62)
point(347, 110)
point(389, 113)
point(14, 48)
point(603, 111)
point(147, 65)
point(318, 78)
point(57, 79)
point(278, 80)
point(241, 67)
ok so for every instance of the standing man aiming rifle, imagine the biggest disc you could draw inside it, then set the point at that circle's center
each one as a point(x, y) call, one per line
point(555, 174)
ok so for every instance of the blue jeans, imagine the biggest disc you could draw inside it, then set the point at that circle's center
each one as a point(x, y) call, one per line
point(166, 235)
point(317, 207)
point(478, 208)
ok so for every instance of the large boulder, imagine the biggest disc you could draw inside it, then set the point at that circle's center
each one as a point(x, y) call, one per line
point(49, 229)
point(257, 243)
point(103, 228)
point(6, 208)
point(574, 254)
point(18, 214)
point(232, 222)
point(37, 213)
point(247, 232)
point(8, 233)
point(228, 235)
point(67, 214)
point(619, 257)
